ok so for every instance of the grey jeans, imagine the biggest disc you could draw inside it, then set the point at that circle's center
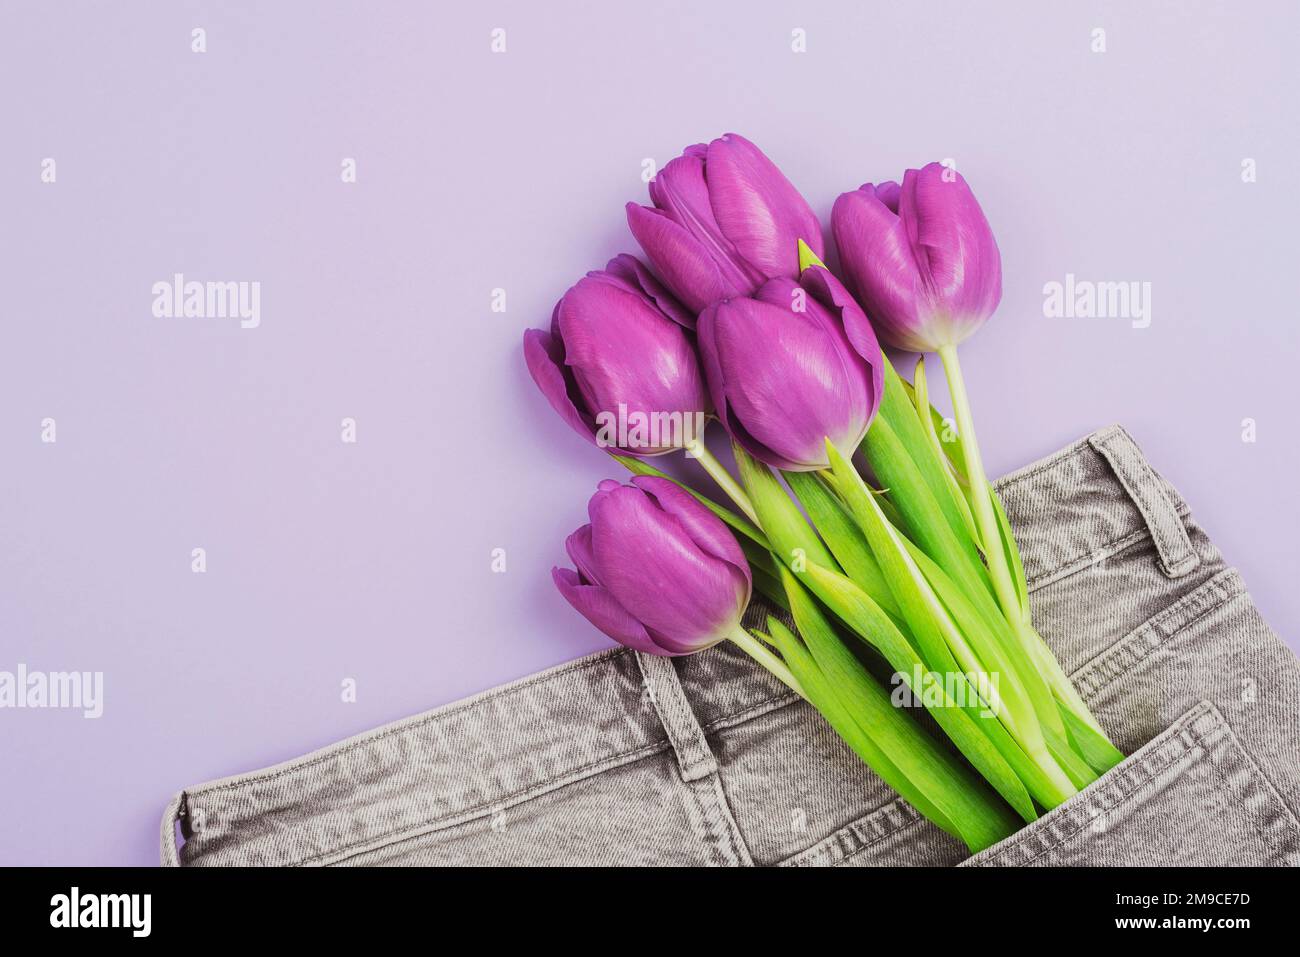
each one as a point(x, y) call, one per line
point(621, 758)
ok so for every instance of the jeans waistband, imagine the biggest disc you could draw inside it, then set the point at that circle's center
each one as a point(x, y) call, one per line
point(1094, 498)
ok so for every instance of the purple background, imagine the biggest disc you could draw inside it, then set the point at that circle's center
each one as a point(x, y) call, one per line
point(476, 170)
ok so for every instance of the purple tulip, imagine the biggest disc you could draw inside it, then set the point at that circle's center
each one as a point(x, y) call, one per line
point(792, 367)
point(920, 258)
point(618, 354)
point(724, 221)
point(656, 570)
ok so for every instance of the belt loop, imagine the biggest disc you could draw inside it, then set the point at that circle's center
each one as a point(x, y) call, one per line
point(694, 758)
point(1148, 492)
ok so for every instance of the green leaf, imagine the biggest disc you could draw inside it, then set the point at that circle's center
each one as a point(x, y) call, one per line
point(922, 515)
point(821, 696)
point(976, 733)
point(737, 522)
point(1012, 551)
point(769, 587)
point(943, 644)
point(1023, 690)
point(899, 452)
point(842, 536)
point(807, 257)
point(827, 478)
point(937, 637)
point(1094, 746)
point(924, 525)
point(940, 424)
point(1075, 767)
point(790, 536)
point(950, 789)
point(1066, 694)
point(923, 409)
point(759, 558)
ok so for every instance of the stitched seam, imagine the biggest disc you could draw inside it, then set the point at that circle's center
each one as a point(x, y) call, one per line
point(1122, 797)
point(448, 820)
point(1254, 818)
point(1218, 592)
point(464, 816)
point(1086, 560)
point(1204, 742)
point(750, 713)
point(731, 827)
point(445, 821)
point(825, 848)
point(754, 711)
point(719, 832)
point(694, 757)
point(1049, 463)
point(1127, 649)
point(380, 735)
point(583, 664)
point(865, 845)
point(1148, 493)
point(1261, 782)
point(1120, 800)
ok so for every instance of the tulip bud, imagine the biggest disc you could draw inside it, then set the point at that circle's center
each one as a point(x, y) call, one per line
point(725, 219)
point(785, 373)
point(920, 258)
point(618, 365)
point(656, 570)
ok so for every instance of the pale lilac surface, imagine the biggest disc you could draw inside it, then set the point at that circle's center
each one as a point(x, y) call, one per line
point(477, 171)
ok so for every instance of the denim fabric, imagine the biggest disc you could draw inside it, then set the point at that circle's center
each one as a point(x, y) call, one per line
point(621, 758)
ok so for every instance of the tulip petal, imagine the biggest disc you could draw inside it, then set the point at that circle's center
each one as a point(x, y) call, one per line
point(683, 190)
point(680, 188)
point(823, 284)
point(705, 529)
point(639, 279)
point(623, 352)
point(600, 608)
point(544, 355)
point(955, 247)
point(790, 377)
point(757, 207)
point(578, 545)
point(681, 259)
point(888, 193)
point(684, 597)
point(877, 258)
point(716, 377)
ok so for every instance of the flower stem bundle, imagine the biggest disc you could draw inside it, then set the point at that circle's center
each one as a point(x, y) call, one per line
point(899, 605)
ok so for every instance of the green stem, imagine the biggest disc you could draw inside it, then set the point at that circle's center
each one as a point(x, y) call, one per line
point(760, 653)
point(985, 520)
point(717, 471)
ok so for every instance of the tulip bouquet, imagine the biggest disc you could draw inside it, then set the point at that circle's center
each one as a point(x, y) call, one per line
point(899, 573)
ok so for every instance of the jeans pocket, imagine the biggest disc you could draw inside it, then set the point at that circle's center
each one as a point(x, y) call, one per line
point(1191, 796)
